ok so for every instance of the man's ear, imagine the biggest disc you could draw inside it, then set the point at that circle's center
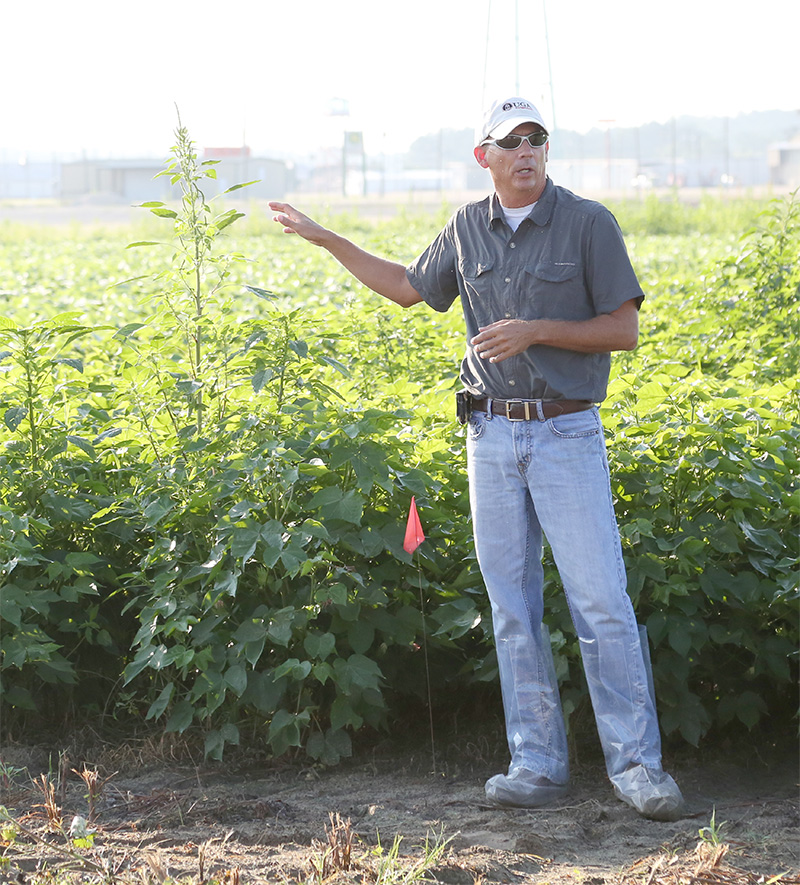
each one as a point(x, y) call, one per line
point(480, 156)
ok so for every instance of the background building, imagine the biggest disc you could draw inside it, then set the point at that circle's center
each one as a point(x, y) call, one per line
point(757, 150)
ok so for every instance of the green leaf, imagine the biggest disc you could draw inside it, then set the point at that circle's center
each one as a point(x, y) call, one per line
point(263, 691)
point(343, 715)
point(651, 568)
point(300, 348)
point(129, 329)
point(245, 539)
point(67, 507)
point(339, 741)
point(19, 697)
point(259, 379)
point(280, 626)
point(330, 747)
point(349, 507)
point(228, 219)
point(253, 651)
point(227, 582)
point(250, 630)
point(358, 671)
point(237, 187)
point(82, 444)
point(72, 363)
point(13, 417)
point(163, 212)
point(156, 510)
point(680, 639)
point(236, 679)
point(322, 672)
point(10, 610)
point(285, 728)
point(335, 364)
point(749, 708)
point(724, 539)
point(161, 703)
point(360, 635)
point(319, 645)
point(262, 293)
point(294, 669)
point(216, 740)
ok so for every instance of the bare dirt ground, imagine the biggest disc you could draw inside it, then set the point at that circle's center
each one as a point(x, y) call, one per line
point(251, 821)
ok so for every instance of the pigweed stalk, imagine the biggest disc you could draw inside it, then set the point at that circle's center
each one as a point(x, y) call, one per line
point(192, 287)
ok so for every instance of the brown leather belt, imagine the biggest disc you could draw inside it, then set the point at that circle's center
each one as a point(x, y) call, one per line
point(531, 409)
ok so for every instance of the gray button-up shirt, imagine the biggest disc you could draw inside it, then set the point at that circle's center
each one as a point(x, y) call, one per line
point(566, 261)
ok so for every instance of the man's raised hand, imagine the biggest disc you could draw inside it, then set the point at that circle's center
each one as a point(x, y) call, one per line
point(295, 222)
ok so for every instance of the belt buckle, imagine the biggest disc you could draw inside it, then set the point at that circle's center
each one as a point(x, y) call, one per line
point(512, 402)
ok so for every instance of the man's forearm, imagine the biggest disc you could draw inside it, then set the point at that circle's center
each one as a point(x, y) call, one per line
point(602, 334)
point(387, 278)
point(618, 330)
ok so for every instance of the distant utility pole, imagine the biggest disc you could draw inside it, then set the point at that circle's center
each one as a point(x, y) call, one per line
point(549, 67)
point(608, 151)
point(674, 140)
point(726, 136)
point(516, 47)
point(486, 52)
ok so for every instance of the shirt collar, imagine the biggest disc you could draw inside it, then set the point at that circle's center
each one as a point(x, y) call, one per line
point(540, 214)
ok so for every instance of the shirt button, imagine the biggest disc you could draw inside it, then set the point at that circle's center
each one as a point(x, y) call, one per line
point(508, 279)
point(512, 245)
point(508, 316)
point(512, 382)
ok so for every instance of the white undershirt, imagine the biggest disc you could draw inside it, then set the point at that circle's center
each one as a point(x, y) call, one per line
point(514, 217)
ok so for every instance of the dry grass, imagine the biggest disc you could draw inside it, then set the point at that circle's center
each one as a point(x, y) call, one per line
point(705, 865)
point(51, 807)
point(337, 855)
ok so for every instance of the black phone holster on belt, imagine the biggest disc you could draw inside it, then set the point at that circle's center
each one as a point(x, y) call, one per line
point(463, 406)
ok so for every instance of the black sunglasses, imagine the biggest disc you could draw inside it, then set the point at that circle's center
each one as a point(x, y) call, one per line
point(512, 142)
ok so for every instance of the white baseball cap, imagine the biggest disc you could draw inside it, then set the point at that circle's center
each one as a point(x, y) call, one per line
point(505, 115)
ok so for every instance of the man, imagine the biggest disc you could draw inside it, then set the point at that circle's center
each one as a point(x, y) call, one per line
point(548, 292)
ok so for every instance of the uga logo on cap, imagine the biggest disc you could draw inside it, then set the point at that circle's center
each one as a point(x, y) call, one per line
point(516, 104)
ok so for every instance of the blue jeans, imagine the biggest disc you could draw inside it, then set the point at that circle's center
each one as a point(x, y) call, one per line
point(529, 478)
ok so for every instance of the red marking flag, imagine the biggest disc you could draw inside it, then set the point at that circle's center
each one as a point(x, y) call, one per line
point(414, 534)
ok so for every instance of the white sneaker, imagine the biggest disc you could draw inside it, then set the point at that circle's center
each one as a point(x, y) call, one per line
point(522, 789)
point(651, 791)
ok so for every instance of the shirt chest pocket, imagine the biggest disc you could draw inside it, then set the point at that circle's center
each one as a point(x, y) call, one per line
point(560, 272)
point(477, 275)
point(555, 290)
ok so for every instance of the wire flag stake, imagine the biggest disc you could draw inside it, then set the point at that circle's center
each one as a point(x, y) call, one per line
point(414, 537)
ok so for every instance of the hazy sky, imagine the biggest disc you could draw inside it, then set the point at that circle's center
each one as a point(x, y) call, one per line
point(104, 77)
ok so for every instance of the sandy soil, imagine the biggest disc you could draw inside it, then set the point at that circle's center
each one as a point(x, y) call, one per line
point(257, 823)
